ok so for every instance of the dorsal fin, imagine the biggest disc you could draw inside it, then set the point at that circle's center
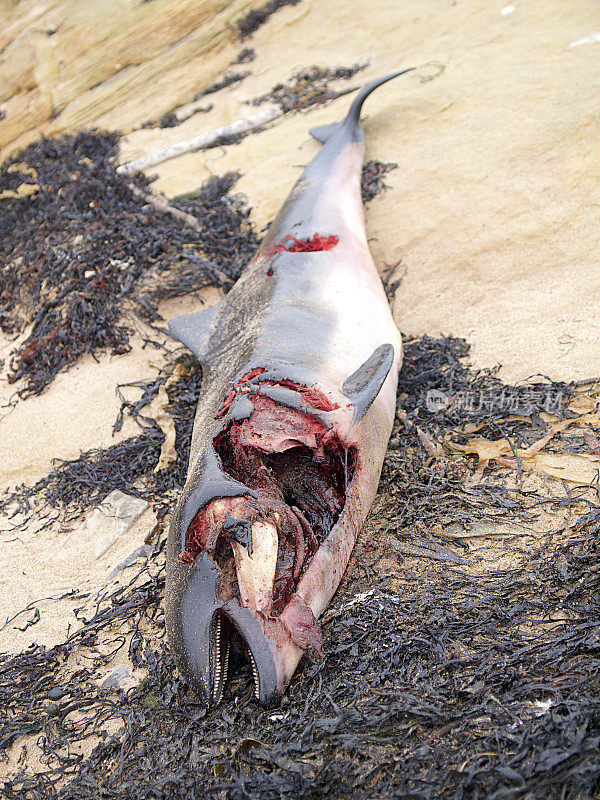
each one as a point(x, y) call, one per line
point(194, 330)
point(351, 122)
point(353, 116)
point(363, 386)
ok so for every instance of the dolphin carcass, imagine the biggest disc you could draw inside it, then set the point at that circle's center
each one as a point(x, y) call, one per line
point(300, 367)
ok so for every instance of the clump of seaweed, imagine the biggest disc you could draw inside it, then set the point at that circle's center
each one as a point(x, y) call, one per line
point(173, 118)
point(372, 182)
point(168, 120)
point(309, 87)
point(444, 675)
point(87, 245)
point(252, 21)
point(245, 56)
point(227, 80)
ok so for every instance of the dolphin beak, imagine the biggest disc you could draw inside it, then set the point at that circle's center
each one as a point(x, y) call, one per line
point(194, 628)
point(205, 630)
point(235, 584)
point(262, 652)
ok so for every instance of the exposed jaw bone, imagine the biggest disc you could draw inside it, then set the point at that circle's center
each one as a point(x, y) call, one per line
point(255, 567)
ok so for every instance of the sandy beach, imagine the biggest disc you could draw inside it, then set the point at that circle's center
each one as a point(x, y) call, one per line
point(490, 218)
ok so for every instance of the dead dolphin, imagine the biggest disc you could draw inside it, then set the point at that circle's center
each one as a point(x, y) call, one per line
point(300, 367)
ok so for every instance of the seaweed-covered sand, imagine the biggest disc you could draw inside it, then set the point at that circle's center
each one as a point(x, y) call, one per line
point(461, 652)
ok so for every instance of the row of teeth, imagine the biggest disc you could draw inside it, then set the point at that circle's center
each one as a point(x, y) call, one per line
point(221, 666)
point(255, 675)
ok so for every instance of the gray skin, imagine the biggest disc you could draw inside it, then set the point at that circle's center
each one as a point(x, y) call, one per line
point(319, 319)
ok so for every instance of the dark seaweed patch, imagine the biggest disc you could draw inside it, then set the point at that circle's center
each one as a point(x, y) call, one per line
point(227, 80)
point(76, 256)
point(245, 55)
point(172, 119)
point(441, 678)
point(309, 87)
point(372, 182)
point(250, 23)
point(168, 120)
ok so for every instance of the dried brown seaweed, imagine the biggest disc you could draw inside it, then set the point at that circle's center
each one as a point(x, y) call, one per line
point(372, 182)
point(86, 247)
point(309, 87)
point(252, 21)
point(441, 679)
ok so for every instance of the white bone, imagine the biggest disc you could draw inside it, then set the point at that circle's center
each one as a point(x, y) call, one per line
point(256, 573)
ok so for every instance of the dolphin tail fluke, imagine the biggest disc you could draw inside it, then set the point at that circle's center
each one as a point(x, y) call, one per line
point(353, 116)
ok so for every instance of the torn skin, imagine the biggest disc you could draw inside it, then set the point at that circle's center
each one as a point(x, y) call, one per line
point(301, 477)
point(300, 471)
point(248, 384)
point(291, 244)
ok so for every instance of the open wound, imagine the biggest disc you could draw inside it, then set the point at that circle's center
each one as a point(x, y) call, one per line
point(290, 244)
point(300, 472)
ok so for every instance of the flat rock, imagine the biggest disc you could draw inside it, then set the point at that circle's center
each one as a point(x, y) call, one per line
point(121, 677)
point(107, 523)
point(113, 64)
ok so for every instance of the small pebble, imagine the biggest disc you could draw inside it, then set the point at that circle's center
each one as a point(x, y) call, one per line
point(120, 678)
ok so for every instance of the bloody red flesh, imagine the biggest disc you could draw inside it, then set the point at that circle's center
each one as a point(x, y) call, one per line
point(246, 384)
point(290, 244)
point(298, 468)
